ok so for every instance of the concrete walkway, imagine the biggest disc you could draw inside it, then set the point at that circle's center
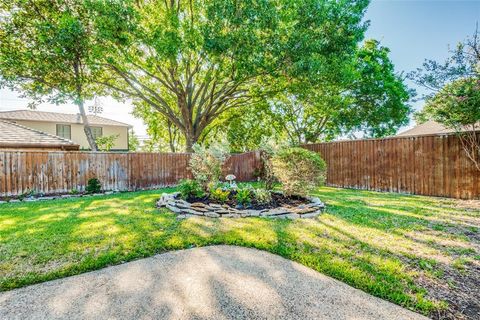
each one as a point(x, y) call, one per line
point(218, 282)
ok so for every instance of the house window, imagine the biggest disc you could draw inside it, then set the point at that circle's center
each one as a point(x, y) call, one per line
point(64, 131)
point(97, 132)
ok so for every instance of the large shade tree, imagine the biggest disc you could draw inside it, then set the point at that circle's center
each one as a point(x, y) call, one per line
point(191, 61)
point(49, 51)
point(371, 100)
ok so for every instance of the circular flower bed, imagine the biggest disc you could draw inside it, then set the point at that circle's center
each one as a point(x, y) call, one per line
point(282, 207)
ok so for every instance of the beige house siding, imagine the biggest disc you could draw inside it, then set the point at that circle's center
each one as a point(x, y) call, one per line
point(78, 135)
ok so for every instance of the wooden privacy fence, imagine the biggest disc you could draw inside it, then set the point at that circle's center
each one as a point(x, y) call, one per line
point(427, 165)
point(61, 172)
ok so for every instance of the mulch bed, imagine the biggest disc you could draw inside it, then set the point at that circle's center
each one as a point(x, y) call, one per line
point(278, 200)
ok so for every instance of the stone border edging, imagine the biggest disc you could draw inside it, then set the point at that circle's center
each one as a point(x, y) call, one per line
point(62, 196)
point(184, 209)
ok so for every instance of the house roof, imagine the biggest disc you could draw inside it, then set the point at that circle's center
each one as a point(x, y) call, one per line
point(34, 115)
point(431, 127)
point(13, 135)
point(426, 128)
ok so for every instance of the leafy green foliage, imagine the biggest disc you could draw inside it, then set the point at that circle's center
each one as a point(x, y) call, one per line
point(106, 143)
point(299, 170)
point(193, 61)
point(190, 189)
point(164, 134)
point(266, 174)
point(369, 98)
point(454, 94)
point(206, 163)
point(262, 196)
point(219, 194)
point(93, 186)
point(376, 97)
point(457, 105)
point(462, 64)
point(244, 196)
point(133, 142)
point(52, 50)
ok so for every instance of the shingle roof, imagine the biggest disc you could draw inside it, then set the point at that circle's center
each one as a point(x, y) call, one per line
point(429, 127)
point(57, 117)
point(13, 135)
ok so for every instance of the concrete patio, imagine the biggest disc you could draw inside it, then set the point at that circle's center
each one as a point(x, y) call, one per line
point(217, 282)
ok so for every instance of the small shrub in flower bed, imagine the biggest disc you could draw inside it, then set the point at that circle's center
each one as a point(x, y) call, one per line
point(236, 197)
point(191, 189)
point(299, 170)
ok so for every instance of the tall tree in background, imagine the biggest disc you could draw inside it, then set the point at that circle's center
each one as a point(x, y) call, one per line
point(164, 135)
point(453, 98)
point(377, 97)
point(372, 100)
point(191, 61)
point(48, 51)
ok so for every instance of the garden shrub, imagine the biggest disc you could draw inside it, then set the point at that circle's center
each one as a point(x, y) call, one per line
point(219, 195)
point(206, 163)
point(190, 189)
point(265, 173)
point(244, 196)
point(262, 196)
point(93, 186)
point(299, 170)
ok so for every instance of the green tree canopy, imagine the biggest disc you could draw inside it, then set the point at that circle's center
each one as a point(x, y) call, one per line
point(454, 93)
point(372, 99)
point(50, 51)
point(192, 61)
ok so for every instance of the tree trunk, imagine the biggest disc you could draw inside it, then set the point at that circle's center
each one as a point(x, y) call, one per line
point(189, 142)
point(191, 137)
point(79, 102)
point(86, 126)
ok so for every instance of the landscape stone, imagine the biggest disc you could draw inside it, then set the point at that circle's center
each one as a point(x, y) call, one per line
point(173, 208)
point(198, 205)
point(190, 211)
point(184, 209)
point(212, 215)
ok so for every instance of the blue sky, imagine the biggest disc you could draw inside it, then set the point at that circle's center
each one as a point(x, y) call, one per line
point(416, 30)
point(413, 30)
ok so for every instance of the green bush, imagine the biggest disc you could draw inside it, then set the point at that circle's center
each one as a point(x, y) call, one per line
point(262, 196)
point(244, 196)
point(93, 186)
point(266, 174)
point(206, 163)
point(299, 170)
point(219, 195)
point(190, 189)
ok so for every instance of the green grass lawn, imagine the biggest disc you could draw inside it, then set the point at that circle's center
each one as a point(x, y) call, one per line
point(419, 252)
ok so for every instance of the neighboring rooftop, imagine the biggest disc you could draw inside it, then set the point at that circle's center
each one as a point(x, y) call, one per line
point(33, 115)
point(431, 127)
point(426, 128)
point(16, 136)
